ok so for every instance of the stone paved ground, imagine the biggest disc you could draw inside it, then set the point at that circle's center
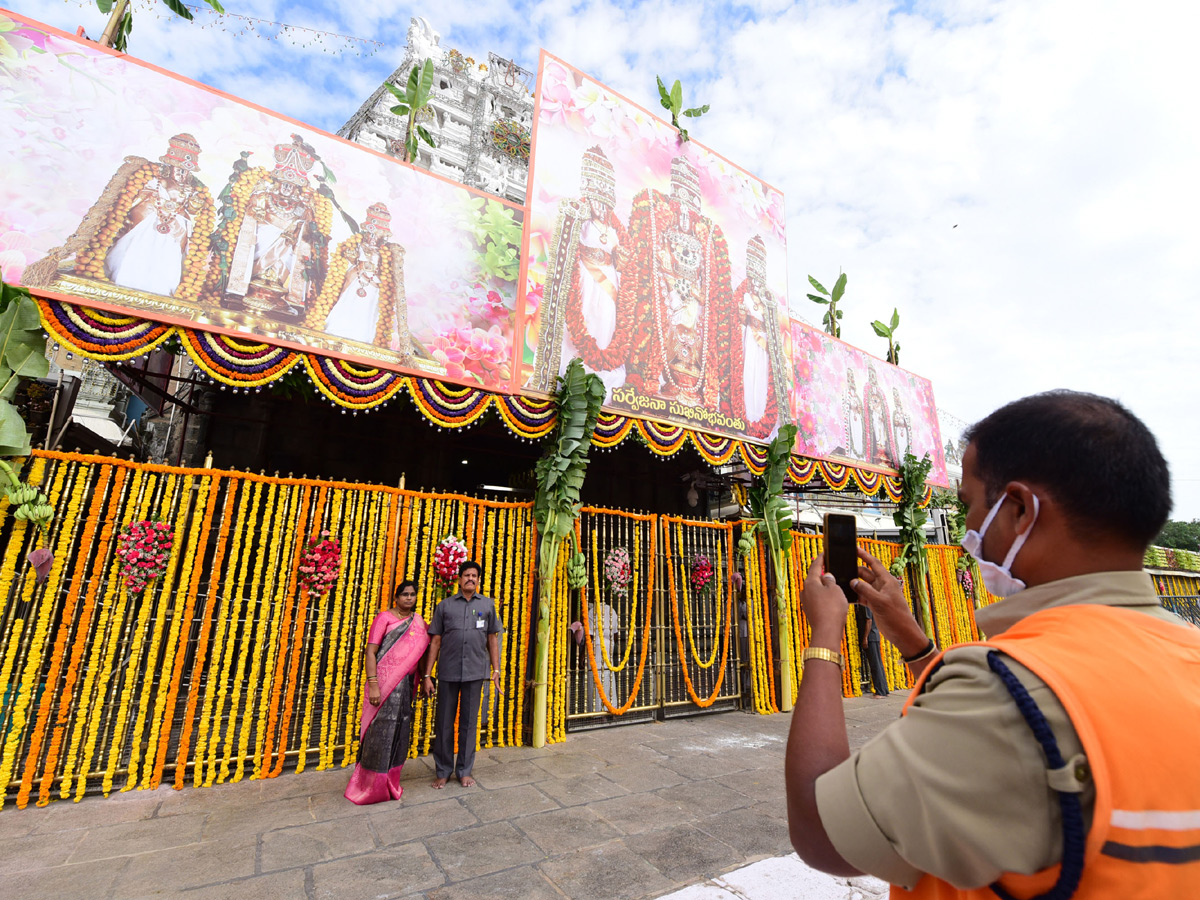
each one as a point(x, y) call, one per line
point(630, 812)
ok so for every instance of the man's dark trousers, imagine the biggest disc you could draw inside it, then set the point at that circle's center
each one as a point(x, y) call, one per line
point(461, 698)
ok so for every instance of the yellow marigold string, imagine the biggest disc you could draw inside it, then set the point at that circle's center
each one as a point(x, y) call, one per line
point(202, 520)
point(166, 595)
point(261, 607)
point(202, 643)
point(204, 768)
point(646, 629)
point(33, 661)
point(141, 617)
point(77, 488)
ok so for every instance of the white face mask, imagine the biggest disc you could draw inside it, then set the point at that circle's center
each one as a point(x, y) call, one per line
point(998, 579)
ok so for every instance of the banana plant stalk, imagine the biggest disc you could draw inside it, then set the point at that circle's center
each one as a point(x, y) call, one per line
point(775, 515)
point(560, 475)
point(910, 520)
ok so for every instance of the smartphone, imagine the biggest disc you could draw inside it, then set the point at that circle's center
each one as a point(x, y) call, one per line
point(841, 551)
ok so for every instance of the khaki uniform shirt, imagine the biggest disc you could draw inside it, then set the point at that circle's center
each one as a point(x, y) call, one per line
point(958, 787)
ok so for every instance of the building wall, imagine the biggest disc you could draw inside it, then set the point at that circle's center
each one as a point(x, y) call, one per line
point(475, 103)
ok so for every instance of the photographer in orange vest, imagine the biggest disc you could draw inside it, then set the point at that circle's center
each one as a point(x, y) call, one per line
point(1055, 759)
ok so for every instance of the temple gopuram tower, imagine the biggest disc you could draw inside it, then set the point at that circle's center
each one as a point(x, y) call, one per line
point(480, 115)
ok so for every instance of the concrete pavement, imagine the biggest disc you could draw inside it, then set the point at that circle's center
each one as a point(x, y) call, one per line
point(633, 812)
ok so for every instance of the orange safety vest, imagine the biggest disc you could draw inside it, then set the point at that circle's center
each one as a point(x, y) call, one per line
point(1130, 684)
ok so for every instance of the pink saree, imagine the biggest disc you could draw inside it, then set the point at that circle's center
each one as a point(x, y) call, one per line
point(386, 730)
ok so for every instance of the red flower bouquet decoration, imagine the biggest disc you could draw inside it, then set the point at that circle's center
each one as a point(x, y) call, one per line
point(320, 564)
point(702, 573)
point(449, 554)
point(144, 549)
point(618, 571)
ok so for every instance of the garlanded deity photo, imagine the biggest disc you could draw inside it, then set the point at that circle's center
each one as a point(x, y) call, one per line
point(630, 253)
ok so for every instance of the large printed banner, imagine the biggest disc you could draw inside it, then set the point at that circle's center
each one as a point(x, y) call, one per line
point(136, 190)
point(852, 408)
point(660, 264)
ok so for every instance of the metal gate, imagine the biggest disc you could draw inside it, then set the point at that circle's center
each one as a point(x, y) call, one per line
point(653, 629)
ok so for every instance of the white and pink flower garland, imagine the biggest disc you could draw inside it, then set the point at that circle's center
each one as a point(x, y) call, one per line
point(320, 564)
point(449, 554)
point(618, 571)
point(702, 573)
point(144, 549)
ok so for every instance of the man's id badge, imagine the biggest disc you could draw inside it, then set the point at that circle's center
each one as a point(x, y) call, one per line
point(480, 623)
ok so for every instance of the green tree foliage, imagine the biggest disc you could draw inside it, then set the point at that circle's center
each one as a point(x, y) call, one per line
point(889, 331)
point(672, 102)
point(833, 315)
point(413, 99)
point(22, 355)
point(1180, 535)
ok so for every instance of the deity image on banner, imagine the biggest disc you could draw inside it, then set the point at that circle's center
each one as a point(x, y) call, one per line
point(363, 297)
point(759, 377)
point(679, 283)
point(854, 419)
point(879, 442)
point(149, 230)
point(583, 280)
point(902, 430)
point(274, 239)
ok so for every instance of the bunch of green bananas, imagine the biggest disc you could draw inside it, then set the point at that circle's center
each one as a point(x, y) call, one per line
point(577, 571)
point(746, 543)
point(31, 505)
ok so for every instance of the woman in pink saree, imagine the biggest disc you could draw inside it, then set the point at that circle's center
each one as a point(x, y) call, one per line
point(395, 644)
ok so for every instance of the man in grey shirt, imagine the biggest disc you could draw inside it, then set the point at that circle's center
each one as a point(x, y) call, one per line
point(465, 633)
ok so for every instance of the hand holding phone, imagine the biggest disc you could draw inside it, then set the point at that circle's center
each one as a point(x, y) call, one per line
point(841, 551)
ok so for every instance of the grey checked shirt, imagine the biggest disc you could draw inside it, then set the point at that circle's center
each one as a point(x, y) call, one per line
point(464, 652)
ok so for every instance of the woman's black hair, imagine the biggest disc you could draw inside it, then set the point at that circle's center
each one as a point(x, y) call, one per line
point(408, 582)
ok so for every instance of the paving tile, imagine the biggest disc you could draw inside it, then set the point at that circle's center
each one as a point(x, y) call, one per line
point(568, 830)
point(307, 844)
point(395, 823)
point(84, 881)
point(567, 764)
point(189, 866)
point(394, 872)
point(645, 777)
point(66, 815)
point(507, 803)
point(749, 831)
point(258, 817)
point(685, 853)
point(481, 850)
point(612, 872)
point(760, 785)
point(523, 883)
point(698, 766)
point(705, 798)
point(508, 774)
point(626, 754)
point(272, 886)
point(137, 837)
point(576, 791)
point(305, 784)
point(636, 813)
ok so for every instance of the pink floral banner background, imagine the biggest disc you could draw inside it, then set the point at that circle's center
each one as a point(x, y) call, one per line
point(662, 305)
point(189, 206)
point(853, 408)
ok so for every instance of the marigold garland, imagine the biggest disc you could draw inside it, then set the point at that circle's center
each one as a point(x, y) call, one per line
point(646, 629)
point(687, 678)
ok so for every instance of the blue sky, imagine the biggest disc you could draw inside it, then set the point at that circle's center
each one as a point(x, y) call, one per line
point(1056, 134)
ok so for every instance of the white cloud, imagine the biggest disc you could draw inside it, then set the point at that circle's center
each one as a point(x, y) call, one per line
point(1058, 135)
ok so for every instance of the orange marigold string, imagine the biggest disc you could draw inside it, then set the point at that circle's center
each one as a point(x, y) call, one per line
point(645, 652)
point(687, 678)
